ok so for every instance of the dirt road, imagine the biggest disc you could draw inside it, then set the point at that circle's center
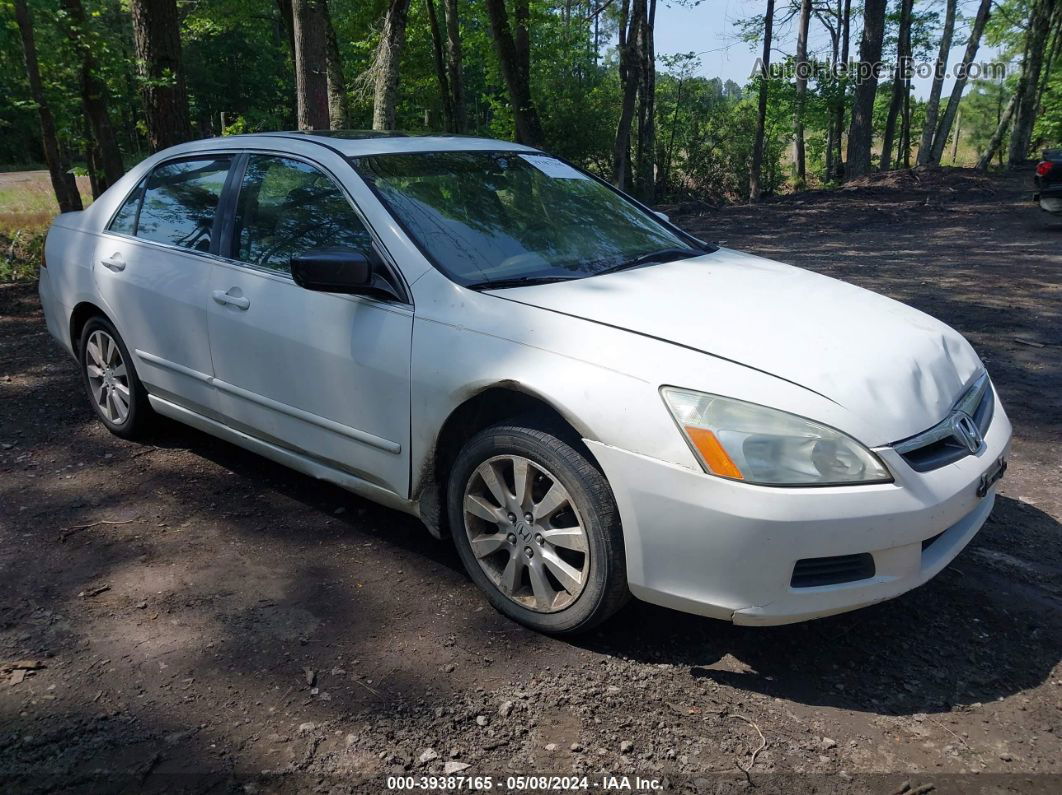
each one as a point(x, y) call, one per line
point(193, 617)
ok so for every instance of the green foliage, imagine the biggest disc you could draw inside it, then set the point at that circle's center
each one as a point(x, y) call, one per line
point(237, 61)
point(986, 99)
point(1048, 127)
point(238, 66)
point(706, 131)
point(20, 254)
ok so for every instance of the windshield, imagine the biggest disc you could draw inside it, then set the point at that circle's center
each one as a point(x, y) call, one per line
point(488, 218)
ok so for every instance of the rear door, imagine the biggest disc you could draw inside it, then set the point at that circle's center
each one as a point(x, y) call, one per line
point(324, 374)
point(152, 268)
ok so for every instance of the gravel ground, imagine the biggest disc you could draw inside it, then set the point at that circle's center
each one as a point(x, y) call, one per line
point(185, 616)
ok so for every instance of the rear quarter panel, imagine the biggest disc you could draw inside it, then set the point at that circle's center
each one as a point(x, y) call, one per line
point(69, 250)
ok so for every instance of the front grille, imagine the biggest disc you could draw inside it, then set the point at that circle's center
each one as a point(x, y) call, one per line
point(813, 572)
point(936, 447)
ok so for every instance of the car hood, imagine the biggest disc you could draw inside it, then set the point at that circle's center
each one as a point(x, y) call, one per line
point(872, 355)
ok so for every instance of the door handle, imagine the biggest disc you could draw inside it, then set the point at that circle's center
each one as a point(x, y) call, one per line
point(114, 262)
point(237, 301)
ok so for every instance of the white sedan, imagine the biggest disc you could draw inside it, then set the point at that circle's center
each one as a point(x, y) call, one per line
point(590, 401)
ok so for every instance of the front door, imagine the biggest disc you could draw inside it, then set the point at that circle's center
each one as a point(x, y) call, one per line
point(323, 374)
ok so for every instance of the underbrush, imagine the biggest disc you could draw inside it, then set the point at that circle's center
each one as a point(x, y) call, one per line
point(20, 252)
point(27, 207)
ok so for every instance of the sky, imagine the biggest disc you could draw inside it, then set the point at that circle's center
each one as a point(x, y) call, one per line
point(709, 29)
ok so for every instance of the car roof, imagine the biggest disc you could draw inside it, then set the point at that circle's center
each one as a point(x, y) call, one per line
point(353, 143)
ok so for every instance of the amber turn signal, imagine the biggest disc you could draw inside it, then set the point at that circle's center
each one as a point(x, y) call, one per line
point(712, 453)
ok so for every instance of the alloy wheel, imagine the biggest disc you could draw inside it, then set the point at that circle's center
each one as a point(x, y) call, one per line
point(108, 377)
point(526, 533)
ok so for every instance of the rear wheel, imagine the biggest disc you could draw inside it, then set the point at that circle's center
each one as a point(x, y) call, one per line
point(537, 529)
point(113, 388)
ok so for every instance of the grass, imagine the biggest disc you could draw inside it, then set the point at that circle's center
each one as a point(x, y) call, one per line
point(27, 207)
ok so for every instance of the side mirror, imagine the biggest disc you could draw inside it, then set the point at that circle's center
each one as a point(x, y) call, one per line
point(333, 271)
point(662, 216)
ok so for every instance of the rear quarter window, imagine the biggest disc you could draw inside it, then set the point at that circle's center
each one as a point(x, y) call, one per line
point(124, 220)
point(180, 202)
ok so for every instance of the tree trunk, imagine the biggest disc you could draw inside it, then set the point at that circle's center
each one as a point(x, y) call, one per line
point(630, 29)
point(997, 136)
point(522, 38)
point(955, 138)
point(514, 60)
point(157, 36)
point(63, 182)
point(905, 123)
point(903, 57)
point(999, 118)
point(97, 182)
point(761, 115)
point(1025, 115)
point(440, 65)
point(838, 121)
point(338, 113)
point(454, 70)
point(311, 67)
point(385, 66)
point(1053, 47)
point(94, 100)
point(861, 131)
point(833, 99)
point(801, 93)
point(287, 19)
point(665, 172)
point(940, 137)
point(645, 157)
point(933, 103)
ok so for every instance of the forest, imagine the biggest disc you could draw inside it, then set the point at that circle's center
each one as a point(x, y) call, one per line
point(90, 87)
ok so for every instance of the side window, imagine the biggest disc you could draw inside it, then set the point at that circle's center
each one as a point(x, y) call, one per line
point(287, 207)
point(180, 201)
point(124, 220)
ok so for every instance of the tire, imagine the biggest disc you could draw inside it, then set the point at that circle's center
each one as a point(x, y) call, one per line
point(519, 563)
point(106, 369)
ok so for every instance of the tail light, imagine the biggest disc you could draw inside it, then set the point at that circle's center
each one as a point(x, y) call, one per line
point(1043, 167)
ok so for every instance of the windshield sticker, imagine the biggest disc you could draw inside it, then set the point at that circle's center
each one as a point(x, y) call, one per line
point(552, 167)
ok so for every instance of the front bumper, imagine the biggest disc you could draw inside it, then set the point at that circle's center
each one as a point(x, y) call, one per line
point(726, 549)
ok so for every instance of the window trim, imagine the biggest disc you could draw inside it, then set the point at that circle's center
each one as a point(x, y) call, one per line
point(399, 278)
point(227, 232)
point(122, 203)
point(233, 154)
point(228, 206)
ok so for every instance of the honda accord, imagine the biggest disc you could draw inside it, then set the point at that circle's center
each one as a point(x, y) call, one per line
point(591, 402)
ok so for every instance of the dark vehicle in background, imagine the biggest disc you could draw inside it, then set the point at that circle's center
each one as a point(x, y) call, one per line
point(1049, 182)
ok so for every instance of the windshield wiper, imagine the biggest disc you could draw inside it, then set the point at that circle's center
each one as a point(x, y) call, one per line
point(518, 281)
point(662, 255)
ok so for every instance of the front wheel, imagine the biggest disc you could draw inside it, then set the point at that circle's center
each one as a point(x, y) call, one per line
point(536, 526)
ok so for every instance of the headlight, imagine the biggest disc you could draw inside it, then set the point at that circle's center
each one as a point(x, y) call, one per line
point(744, 441)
